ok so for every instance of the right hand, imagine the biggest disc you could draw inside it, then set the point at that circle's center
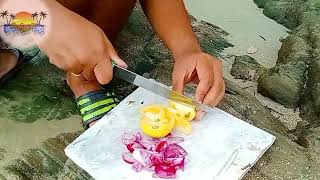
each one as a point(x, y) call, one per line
point(78, 46)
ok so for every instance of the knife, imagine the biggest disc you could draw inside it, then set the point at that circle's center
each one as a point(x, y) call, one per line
point(156, 88)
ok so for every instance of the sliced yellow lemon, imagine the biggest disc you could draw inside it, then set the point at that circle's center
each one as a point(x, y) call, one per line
point(183, 126)
point(182, 110)
point(156, 121)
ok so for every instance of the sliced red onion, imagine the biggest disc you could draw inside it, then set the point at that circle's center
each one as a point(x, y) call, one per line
point(165, 172)
point(128, 158)
point(129, 138)
point(149, 144)
point(161, 146)
point(175, 149)
point(137, 166)
point(170, 139)
point(163, 156)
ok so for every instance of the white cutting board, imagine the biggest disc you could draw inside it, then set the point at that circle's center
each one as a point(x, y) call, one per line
point(221, 146)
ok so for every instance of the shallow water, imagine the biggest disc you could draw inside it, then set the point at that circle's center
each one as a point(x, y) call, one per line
point(246, 24)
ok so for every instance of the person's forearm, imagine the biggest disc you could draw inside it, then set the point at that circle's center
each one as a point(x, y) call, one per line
point(170, 20)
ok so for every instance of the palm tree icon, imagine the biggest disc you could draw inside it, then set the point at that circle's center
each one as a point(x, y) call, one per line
point(43, 15)
point(12, 16)
point(35, 16)
point(4, 15)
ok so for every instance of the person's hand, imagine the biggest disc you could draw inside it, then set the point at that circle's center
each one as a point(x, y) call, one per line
point(203, 69)
point(78, 46)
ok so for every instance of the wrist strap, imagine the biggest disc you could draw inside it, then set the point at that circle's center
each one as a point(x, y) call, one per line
point(94, 105)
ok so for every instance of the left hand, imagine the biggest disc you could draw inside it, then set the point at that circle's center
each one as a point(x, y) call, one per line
point(203, 69)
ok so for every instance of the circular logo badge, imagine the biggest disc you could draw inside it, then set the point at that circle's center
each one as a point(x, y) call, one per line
point(19, 27)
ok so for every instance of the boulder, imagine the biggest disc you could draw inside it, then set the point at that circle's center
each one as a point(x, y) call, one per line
point(302, 46)
point(294, 48)
point(284, 83)
point(311, 101)
point(285, 12)
point(246, 68)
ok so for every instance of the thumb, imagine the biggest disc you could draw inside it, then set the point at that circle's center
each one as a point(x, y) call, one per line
point(178, 82)
point(114, 55)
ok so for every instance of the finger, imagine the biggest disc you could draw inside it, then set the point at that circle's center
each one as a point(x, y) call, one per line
point(114, 55)
point(213, 94)
point(178, 82)
point(203, 88)
point(221, 95)
point(200, 115)
point(103, 71)
point(88, 73)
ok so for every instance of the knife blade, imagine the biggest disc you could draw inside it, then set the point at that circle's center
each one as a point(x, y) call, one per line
point(156, 88)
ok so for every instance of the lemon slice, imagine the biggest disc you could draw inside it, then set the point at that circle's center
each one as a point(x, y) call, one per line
point(156, 121)
point(183, 126)
point(183, 110)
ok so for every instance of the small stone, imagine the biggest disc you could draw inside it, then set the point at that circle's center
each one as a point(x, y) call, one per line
point(252, 50)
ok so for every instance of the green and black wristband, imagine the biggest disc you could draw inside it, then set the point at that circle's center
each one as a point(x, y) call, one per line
point(94, 105)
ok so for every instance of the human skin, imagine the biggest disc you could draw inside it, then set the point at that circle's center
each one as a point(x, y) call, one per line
point(79, 46)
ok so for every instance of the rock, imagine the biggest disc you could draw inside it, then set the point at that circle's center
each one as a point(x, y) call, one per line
point(246, 68)
point(252, 50)
point(311, 102)
point(294, 48)
point(211, 37)
point(46, 162)
point(285, 12)
point(284, 83)
point(303, 45)
point(42, 93)
point(71, 171)
point(260, 3)
point(2, 153)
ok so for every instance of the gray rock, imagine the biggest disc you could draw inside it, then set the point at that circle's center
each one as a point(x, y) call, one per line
point(284, 83)
point(46, 162)
point(211, 37)
point(260, 3)
point(286, 12)
point(246, 68)
point(294, 48)
point(2, 153)
point(303, 45)
point(42, 93)
point(311, 101)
